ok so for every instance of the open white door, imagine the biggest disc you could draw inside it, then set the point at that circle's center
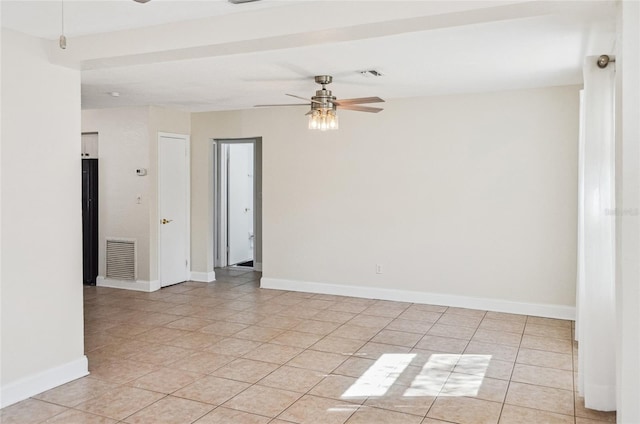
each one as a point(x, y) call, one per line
point(240, 203)
point(173, 210)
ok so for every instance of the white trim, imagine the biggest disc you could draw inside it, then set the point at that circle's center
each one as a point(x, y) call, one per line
point(43, 381)
point(496, 305)
point(223, 197)
point(212, 218)
point(257, 266)
point(203, 277)
point(187, 140)
point(137, 285)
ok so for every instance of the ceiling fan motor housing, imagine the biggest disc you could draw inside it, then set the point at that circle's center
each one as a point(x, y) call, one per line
point(324, 96)
point(323, 79)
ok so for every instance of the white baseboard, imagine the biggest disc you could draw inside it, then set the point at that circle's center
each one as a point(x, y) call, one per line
point(138, 285)
point(496, 305)
point(257, 266)
point(43, 381)
point(203, 277)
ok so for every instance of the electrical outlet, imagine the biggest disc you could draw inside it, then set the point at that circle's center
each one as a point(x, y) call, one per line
point(378, 269)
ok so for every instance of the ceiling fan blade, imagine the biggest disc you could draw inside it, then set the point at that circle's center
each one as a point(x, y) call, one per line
point(288, 104)
point(359, 101)
point(360, 108)
point(304, 98)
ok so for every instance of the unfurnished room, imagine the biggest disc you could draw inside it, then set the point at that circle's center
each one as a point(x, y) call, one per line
point(320, 211)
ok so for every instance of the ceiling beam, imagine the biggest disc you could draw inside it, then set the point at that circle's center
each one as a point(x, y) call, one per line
point(291, 27)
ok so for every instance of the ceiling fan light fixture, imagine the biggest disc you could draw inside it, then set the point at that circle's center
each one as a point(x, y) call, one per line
point(324, 104)
point(323, 119)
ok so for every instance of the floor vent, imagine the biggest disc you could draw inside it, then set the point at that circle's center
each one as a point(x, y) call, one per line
point(121, 259)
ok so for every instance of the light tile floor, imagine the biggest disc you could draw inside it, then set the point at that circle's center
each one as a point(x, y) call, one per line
point(230, 352)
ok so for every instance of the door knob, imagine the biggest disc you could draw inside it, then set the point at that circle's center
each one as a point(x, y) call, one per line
point(165, 221)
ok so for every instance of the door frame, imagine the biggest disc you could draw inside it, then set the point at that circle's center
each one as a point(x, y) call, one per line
point(220, 205)
point(187, 229)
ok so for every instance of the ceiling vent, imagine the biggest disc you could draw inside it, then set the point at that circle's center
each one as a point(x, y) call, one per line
point(371, 73)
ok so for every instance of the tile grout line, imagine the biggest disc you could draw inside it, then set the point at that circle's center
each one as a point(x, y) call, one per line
point(515, 361)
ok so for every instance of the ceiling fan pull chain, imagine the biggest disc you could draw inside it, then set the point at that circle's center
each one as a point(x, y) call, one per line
point(62, 42)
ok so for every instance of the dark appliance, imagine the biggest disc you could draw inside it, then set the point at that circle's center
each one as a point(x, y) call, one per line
point(89, 221)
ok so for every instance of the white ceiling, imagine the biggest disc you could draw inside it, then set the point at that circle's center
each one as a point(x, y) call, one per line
point(265, 49)
point(42, 18)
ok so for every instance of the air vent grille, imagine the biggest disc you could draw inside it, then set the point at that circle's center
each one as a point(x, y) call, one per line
point(121, 259)
point(371, 73)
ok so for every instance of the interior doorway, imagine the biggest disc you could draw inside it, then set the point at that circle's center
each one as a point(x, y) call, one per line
point(238, 211)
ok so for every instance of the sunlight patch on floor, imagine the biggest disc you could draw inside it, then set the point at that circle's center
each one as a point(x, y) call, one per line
point(436, 378)
point(380, 376)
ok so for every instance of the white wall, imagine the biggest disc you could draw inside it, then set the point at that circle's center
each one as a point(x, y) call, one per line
point(123, 147)
point(467, 195)
point(204, 127)
point(628, 218)
point(128, 140)
point(42, 323)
